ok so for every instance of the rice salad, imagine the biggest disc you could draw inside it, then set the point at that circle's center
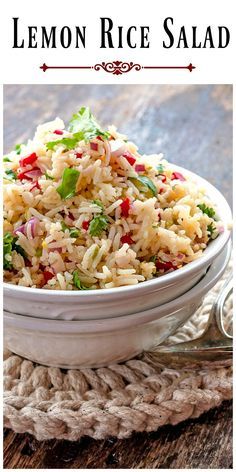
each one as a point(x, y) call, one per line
point(84, 210)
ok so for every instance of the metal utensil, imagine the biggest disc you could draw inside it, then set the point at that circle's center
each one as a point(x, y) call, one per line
point(215, 345)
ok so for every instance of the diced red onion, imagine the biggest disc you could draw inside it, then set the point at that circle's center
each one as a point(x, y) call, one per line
point(33, 223)
point(20, 229)
point(221, 229)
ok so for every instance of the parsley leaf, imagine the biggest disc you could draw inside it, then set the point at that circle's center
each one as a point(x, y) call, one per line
point(99, 204)
point(7, 249)
point(11, 174)
point(68, 186)
point(69, 143)
point(208, 211)
point(38, 252)
point(84, 127)
point(160, 168)
point(211, 228)
point(9, 245)
point(74, 232)
point(18, 148)
point(6, 159)
point(77, 282)
point(144, 184)
point(48, 177)
point(84, 123)
point(98, 225)
point(153, 259)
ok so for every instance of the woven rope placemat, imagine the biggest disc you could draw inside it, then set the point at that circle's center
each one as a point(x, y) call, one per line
point(117, 400)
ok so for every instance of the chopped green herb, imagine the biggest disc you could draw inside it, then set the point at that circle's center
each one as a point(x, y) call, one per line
point(83, 126)
point(38, 252)
point(84, 123)
point(160, 168)
point(68, 186)
point(98, 225)
point(77, 282)
point(74, 232)
point(9, 245)
point(69, 143)
point(18, 148)
point(6, 159)
point(211, 228)
point(64, 226)
point(7, 249)
point(144, 184)
point(48, 177)
point(11, 174)
point(153, 259)
point(99, 204)
point(205, 209)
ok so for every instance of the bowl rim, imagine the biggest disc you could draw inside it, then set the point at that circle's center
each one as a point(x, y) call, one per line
point(83, 327)
point(167, 280)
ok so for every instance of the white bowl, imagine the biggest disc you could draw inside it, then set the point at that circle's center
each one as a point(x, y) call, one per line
point(99, 304)
point(95, 343)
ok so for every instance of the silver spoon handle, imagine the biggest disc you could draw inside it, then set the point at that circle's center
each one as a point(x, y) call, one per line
point(218, 306)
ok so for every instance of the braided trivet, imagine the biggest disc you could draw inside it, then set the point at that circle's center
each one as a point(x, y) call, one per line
point(117, 400)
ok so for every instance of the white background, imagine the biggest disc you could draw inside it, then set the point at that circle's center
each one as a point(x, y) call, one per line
point(212, 65)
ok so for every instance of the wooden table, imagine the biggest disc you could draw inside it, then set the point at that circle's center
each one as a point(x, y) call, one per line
point(192, 125)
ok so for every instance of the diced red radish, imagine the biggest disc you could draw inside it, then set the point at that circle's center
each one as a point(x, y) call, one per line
point(140, 168)
point(125, 207)
point(71, 216)
point(94, 146)
point(36, 185)
point(28, 263)
point(24, 161)
point(127, 239)
point(30, 174)
point(131, 159)
point(117, 147)
point(85, 225)
point(165, 265)
point(163, 177)
point(177, 176)
point(58, 131)
point(47, 276)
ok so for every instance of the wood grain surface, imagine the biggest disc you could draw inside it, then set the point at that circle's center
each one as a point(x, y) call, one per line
point(192, 126)
point(203, 443)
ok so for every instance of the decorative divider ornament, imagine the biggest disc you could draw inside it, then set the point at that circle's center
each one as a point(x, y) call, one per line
point(117, 67)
